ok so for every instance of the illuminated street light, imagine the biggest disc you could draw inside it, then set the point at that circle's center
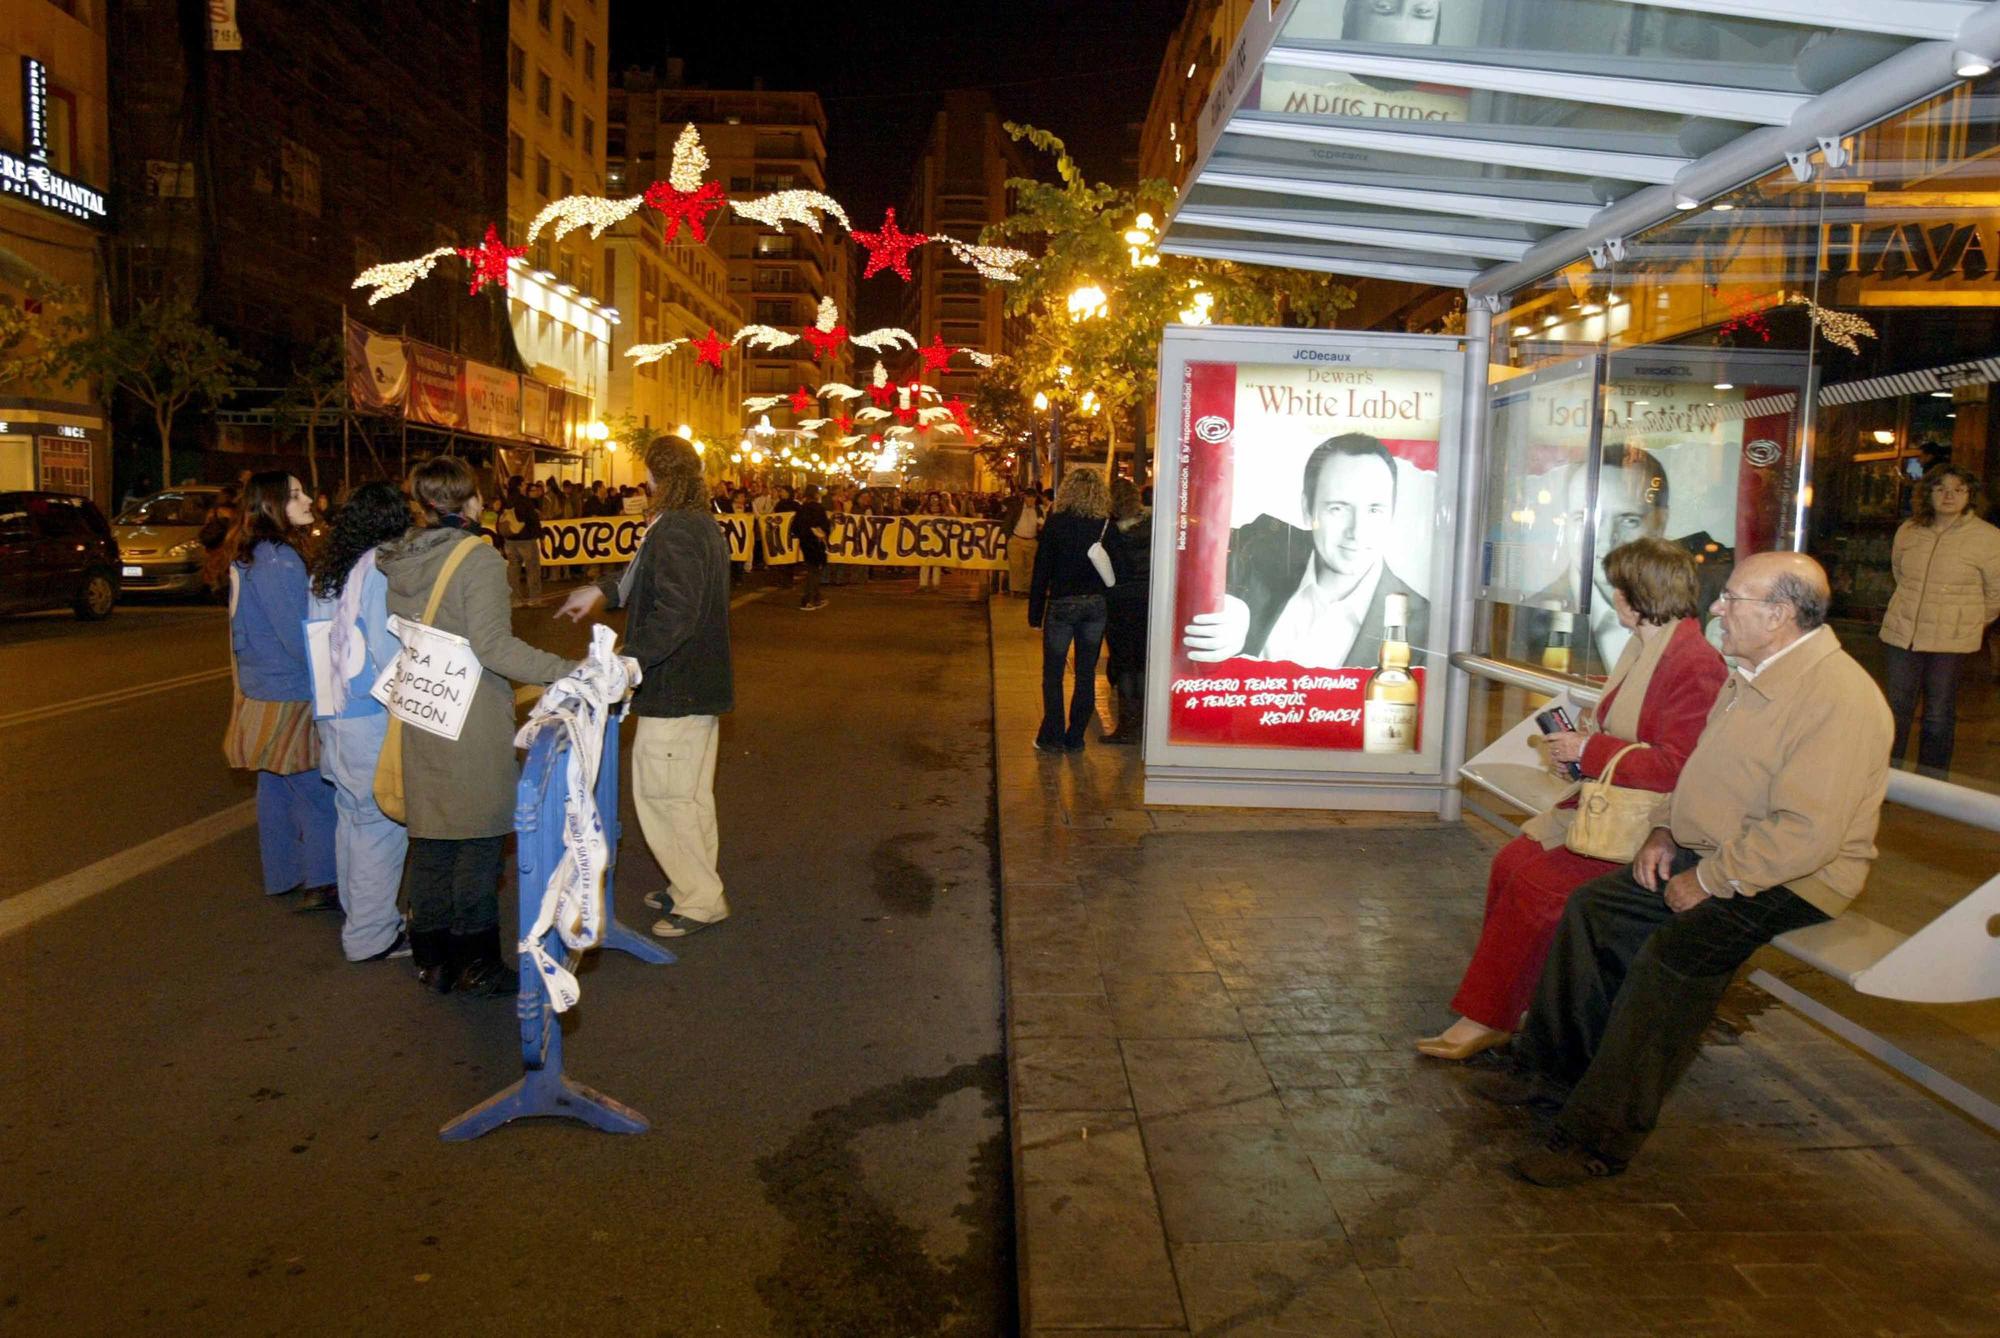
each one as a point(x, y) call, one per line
point(1041, 400)
point(684, 432)
point(598, 430)
point(1088, 303)
point(1197, 314)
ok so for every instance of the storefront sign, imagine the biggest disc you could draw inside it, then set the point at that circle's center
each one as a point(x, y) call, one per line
point(1302, 561)
point(534, 408)
point(31, 178)
point(1954, 262)
point(65, 464)
point(223, 34)
point(437, 389)
point(960, 542)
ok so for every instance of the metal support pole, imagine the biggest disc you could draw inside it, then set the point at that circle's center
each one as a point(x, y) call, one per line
point(1055, 444)
point(1465, 556)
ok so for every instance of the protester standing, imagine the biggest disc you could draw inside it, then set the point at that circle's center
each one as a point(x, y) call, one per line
point(1066, 600)
point(1024, 527)
point(1947, 566)
point(1131, 546)
point(459, 794)
point(271, 716)
point(520, 525)
point(812, 527)
point(350, 594)
point(787, 505)
point(676, 591)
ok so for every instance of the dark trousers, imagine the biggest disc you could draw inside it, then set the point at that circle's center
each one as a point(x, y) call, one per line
point(1933, 676)
point(454, 885)
point(813, 571)
point(1629, 987)
point(1125, 640)
point(1077, 620)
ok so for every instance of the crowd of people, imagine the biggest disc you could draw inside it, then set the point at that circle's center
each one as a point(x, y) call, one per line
point(352, 803)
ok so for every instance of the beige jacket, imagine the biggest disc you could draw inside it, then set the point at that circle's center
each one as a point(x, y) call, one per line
point(1787, 782)
point(1947, 585)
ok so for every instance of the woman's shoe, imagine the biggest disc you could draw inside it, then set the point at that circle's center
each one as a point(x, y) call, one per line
point(1462, 1047)
point(432, 950)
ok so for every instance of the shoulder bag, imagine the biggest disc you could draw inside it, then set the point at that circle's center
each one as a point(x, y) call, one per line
point(389, 795)
point(1613, 821)
point(1101, 559)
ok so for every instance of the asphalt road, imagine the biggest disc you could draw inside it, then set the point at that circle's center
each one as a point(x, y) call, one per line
point(210, 1123)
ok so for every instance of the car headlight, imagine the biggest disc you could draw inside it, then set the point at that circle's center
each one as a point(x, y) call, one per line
point(188, 549)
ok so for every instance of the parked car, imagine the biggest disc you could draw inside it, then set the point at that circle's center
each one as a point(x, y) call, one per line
point(160, 540)
point(56, 551)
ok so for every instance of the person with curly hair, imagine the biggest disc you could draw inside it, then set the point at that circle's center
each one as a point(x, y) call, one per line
point(351, 595)
point(271, 712)
point(1066, 600)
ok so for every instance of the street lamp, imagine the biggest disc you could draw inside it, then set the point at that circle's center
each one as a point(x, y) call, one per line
point(1139, 242)
point(1088, 303)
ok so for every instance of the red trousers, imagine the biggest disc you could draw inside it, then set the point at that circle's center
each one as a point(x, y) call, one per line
point(1525, 895)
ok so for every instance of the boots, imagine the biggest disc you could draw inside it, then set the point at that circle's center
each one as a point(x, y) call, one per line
point(1131, 714)
point(482, 971)
point(431, 951)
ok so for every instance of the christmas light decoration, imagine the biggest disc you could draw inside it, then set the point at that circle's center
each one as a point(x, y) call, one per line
point(791, 206)
point(885, 339)
point(898, 433)
point(960, 414)
point(583, 211)
point(840, 390)
point(848, 443)
point(933, 414)
point(1837, 327)
point(764, 337)
point(690, 163)
point(981, 359)
point(889, 247)
point(709, 349)
point(827, 333)
point(683, 206)
point(399, 276)
point(870, 415)
point(489, 259)
point(937, 355)
point(880, 392)
point(802, 402)
point(1001, 264)
point(641, 354)
point(812, 424)
point(841, 422)
point(759, 403)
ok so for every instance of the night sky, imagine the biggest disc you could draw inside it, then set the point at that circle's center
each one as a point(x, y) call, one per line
point(1082, 70)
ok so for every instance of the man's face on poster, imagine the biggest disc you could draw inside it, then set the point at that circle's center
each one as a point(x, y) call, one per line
point(1626, 510)
point(1350, 512)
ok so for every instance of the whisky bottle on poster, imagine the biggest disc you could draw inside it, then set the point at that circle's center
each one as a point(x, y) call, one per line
point(1555, 655)
point(1389, 709)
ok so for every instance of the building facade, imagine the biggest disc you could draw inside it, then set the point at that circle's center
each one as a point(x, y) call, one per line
point(55, 176)
point(561, 309)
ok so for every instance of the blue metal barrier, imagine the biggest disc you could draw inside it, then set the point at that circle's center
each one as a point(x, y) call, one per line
point(538, 822)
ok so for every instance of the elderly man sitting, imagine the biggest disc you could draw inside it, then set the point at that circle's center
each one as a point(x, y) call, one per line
point(1772, 827)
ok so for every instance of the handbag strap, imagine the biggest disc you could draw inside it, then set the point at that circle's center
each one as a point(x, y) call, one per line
point(1611, 768)
point(452, 559)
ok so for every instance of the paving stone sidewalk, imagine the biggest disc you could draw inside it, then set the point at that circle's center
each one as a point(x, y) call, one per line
point(1221, 1128)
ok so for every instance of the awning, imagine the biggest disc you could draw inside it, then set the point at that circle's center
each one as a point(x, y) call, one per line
point(1483, 143)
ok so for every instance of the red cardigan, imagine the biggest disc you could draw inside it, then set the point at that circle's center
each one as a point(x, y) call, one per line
point(1684, 687)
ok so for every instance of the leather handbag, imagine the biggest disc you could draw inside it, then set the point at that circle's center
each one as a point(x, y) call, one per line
point(389, 796)
point(1101, 559)
point(1612, 821)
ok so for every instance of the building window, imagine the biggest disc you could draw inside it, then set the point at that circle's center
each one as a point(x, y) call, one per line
point(569, 35)
point(517, 154)
point(542, 176)
point(568, 185)
point(542, 8)
point(589, 135)
point(568, 121)
point(517, 68)
point(566, 267)
point(543, 91)
point(590, 61)
point(583, 277)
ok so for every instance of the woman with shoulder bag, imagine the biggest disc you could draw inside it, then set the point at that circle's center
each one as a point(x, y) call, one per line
point(1066, 600)
point(1658, 697)
point(1131, 545)
point(1947, 564)
point(271, 717)
point(459, 794)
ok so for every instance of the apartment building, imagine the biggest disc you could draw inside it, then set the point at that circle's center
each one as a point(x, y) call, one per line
point(560, 304)
point(1194, 53)
point(959, 186)
point(55, 168)
point(758, 142)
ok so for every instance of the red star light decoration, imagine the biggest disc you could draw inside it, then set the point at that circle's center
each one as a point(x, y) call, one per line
point(802, 402)
point(709, 350)
point(843, 422)
point(938, 356)
point(889, 247)
point(960, 415)
point(685, 206)
point(489, 259)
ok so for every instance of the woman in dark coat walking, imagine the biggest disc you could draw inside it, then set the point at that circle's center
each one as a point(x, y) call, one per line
point(1131, 546)
point(1066, 600)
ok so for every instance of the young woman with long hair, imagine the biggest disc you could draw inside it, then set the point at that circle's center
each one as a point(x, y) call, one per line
point(271, 716)
point(351, 595)
point(1066, 600)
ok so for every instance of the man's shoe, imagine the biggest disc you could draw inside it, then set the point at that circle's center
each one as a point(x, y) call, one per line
point(1513, 1088)
point(679, 926)
point(398, 947)
point(432, 950)
point(483, 973)
point(1564, 1162)
point(325, 897)
point(1043, 746)
point(662, 900)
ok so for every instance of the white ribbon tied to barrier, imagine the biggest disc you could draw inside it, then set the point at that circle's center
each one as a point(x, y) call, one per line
point(580, 705)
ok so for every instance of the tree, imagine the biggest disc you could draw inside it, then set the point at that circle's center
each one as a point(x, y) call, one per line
point(1078, 231)
point(318, 385)
point(164, 357)
point(33, 334)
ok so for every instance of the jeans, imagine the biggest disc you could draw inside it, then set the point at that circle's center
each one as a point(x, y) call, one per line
point(1079, 619)
point(369, 847)
point(454, 885)
point(1932, 675)
point(673, 791)
point(295, 831)
point(524, 568)
point(1627, 991)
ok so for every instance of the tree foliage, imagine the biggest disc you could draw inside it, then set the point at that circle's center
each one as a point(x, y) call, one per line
point(317, 387)
point(1076, 228)
point(165, 357)
point(33, 334)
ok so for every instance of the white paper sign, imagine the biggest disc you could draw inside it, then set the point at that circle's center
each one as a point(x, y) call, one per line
point(430, 684)
point(319, 660)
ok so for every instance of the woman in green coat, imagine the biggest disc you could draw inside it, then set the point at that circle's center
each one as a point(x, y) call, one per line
point(459, 794)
